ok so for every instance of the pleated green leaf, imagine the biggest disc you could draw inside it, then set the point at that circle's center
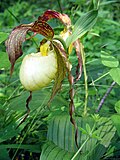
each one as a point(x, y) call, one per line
point(116, 120)
point(83, 25)
point(61, 132)
point(53, 152)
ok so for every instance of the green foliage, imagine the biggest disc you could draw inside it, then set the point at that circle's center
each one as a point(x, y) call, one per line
point(51, 151)
point(115, 74)
point(116, 120)
point(61, 132)
point(109, 60)
point(3, 36)
point(83, 24)
point(5, 63)
point(48, 133)
point(117, 107)
point(116, 117)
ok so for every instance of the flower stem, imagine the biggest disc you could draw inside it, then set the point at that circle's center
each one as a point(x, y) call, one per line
point(85, 79)
point(75, 155)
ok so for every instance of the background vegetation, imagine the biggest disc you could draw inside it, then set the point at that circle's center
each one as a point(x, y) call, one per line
point(47, 132)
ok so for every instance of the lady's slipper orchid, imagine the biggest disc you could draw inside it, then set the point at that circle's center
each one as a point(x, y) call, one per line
point(39, 69)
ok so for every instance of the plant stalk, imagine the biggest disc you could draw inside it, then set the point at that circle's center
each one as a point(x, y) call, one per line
point(85, 79)
point(99, 78)
point(75, 155)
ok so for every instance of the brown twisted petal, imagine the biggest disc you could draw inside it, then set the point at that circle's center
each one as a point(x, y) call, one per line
point(18, 36)
point(49, 14)
point(14, 42)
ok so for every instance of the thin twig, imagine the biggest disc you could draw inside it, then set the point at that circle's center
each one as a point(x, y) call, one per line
point(105, 96)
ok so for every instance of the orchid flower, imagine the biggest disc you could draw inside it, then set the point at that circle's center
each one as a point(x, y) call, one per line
point(51, 62)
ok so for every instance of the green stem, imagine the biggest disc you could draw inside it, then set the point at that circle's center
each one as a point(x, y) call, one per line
point(85, 79)
point(60, 6)
point(75, 155)
point(99, 78)
point(13, 16)
point(59, 38)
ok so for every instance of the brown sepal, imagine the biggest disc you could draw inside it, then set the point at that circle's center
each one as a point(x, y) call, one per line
point(14, 43)
point(49, 14)
point(27, 107)
point(43, 28)
point(61, 72)
point(18, 36)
